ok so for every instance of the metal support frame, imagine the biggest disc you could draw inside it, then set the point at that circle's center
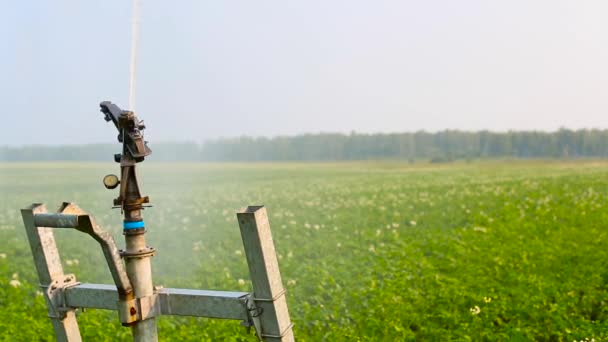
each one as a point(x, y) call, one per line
point(273, 319)
point(265, 309)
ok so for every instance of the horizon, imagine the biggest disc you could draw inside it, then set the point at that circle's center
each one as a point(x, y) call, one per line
point(230, 138)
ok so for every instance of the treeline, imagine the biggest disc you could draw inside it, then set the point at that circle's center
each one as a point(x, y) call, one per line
point(438, 147)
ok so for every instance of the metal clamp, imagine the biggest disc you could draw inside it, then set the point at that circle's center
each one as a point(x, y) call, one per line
point(138, 309)
point(283, 333)
point(148, 251)
point(277, 296)
point(55, 293)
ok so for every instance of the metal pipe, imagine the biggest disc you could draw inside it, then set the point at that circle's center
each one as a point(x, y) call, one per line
point(137, 259)
point(139, 271)
point(56, 220)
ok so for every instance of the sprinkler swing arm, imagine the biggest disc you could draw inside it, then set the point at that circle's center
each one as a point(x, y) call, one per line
point(135, 298)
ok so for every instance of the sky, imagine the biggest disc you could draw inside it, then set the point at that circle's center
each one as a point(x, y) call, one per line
point(210, 69)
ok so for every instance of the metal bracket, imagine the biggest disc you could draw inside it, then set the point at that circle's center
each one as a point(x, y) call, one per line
point(253, 313)
point(55, 295)
point(138, 309)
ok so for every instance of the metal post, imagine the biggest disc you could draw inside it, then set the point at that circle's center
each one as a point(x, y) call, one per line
point(137, 255)
point(139, 271)
point(268, 291)
point(50, 273)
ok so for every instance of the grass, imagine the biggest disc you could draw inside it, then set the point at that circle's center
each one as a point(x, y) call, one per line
point(370, 251)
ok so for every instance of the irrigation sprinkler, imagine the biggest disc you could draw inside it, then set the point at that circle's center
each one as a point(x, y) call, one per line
point(133, 295)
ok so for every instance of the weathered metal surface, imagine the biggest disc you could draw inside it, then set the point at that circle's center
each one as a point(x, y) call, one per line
point(87, 224)
point(148, 307)
point(48, 266)
point(268, 291)
point(130, 128)
point(137, 254)
point(203, 303)
point(265, 309)
point(170, 301)
point(139, 271)
point(56, 220)
point(93, 296)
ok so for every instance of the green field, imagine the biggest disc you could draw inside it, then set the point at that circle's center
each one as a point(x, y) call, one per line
point(370, 251)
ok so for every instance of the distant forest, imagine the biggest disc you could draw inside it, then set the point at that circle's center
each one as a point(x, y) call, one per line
point(441, 146)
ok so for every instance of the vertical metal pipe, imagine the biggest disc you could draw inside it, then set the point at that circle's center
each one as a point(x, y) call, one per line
point(139, 271)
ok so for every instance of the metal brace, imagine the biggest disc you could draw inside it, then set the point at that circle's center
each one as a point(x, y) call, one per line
point(138, 309)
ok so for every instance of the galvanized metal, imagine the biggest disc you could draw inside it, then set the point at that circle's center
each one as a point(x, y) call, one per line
point(136, 300)
point(204, 303)
point(92, 296)
point(139, 271)
point(48, 266)
point(268, 291)
point(139, 312)
point(56, 220)
point(180, 302)
point(87, 224)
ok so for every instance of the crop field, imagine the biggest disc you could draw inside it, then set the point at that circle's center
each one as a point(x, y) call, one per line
point(369, 251)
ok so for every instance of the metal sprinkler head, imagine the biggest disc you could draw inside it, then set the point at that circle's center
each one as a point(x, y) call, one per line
point(130, 133)
point(134, 150)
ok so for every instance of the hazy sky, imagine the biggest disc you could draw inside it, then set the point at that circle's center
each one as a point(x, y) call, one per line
point(228, 68)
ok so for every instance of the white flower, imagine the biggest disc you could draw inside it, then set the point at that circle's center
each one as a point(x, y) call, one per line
point(480, 229)
point(412, 223)
point(291, 282)
point(372, 249)
point(238, 252)
point(15, 283)
point(241, 281)
point(487, 299)
point(475, 310)
point(2, 255)
point(71, 262)
point(338, 245)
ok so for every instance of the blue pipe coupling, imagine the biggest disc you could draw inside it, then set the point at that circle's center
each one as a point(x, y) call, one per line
point(133, 225)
